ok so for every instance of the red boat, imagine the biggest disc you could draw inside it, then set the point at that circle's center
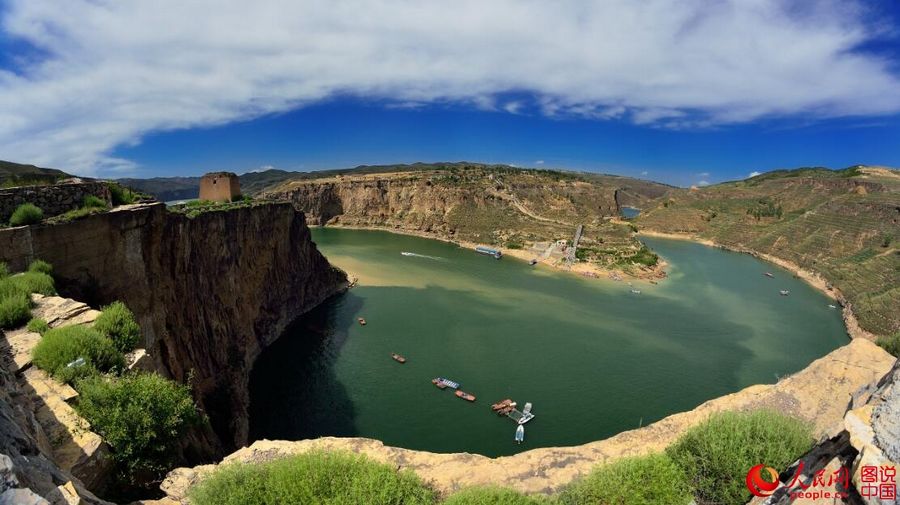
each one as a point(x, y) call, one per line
point(398, 358)
point(439, 383)
point(501, 404)
point(465, 396)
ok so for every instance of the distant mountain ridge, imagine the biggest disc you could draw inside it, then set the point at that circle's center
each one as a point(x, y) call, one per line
point(18, 174)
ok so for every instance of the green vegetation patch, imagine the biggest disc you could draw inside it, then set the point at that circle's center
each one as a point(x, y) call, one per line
point(25, 214)
point(117, 323)
point(335, 478)
point(40, 266)
point(122, 195)
point(4, 271)
point(93, 202)
point(141, 416)
point(646, 480)
point(716, 455)
point(494, 495)
point(15, 310)
point(84, 348)
point(890, 343)
point(38, 325)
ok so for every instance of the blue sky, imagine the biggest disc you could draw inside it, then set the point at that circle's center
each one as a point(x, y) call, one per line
point(678, 91)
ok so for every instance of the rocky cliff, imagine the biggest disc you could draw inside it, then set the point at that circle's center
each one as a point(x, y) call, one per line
point(819, 394)
point(209, 291)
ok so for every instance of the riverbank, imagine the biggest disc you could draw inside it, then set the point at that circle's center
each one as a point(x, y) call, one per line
point(814, 279)
point(591, 270)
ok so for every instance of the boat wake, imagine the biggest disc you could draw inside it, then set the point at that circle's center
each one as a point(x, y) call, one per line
point(436, 258)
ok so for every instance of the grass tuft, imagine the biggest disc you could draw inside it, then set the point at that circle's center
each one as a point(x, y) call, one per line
point(645, 480)
point(716, 455)
point(15, 310)
point(491, 495)
point(40, 266)
point(314, 477)
point(27, 213)
point(38, 325)
point(61, 346)
point(117, 323)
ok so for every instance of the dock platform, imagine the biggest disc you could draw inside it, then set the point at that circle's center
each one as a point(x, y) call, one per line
point(521, 417)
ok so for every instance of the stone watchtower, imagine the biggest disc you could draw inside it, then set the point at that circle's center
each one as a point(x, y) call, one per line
point(220, 187)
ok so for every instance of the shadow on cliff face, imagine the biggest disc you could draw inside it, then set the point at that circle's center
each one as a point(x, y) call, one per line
point(309, 348)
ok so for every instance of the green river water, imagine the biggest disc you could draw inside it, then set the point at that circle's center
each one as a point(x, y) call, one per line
point(592, 357)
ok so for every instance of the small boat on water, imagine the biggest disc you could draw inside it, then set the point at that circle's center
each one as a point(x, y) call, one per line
point(488, 251)
point(362, 322)
point(464, 395)
point(636, 291)
point(502, 404)
point(653, 282)
point(830, 306)
point(784, 292)
point(520, 434)
point(443, 383)
point(533, 262)
point(398, 358)
point(769, 274)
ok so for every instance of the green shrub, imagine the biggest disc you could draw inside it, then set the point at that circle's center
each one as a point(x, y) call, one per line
point(645, 480)
point(30, 282)
point(890, 343)
point(4, 272)
point(27, 213)
point(141, 416)
point(120, 194)
point(38, 325)
point(494, 496)
point(15, 310)
point(62, 346)
point(40, 266)
point(315, 477)
point(117, 323)
point(93, 202)
point(716, 455)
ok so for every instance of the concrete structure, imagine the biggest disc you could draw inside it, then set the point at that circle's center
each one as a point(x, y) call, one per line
point(220, 187)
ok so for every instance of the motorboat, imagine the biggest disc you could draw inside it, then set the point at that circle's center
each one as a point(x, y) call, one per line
point(520, 434)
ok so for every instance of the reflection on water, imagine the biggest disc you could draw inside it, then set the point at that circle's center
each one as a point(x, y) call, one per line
point(593, 358)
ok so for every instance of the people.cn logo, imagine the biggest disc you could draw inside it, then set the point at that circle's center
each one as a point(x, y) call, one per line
point(759, 486)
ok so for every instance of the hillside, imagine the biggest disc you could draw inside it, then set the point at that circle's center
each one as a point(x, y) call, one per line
point(521, 211)
point(843, 224)
point(17, 174)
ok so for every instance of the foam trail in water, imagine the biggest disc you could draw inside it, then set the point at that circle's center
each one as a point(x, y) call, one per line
point(437, 258)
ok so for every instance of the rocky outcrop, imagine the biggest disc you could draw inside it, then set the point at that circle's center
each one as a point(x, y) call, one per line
point(210, 291)
point(47, 452)
point(819, 394)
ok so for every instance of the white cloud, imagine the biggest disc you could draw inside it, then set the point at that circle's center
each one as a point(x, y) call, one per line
point(703, 174)
point(539, 162)
point(754, 173)
point(115, 71)
point(644, 172)
point(703, 183)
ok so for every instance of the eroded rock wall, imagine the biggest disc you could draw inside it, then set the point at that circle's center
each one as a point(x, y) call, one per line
point(209, 292)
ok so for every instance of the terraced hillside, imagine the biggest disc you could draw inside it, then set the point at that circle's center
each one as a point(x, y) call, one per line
point(498, 205)
point(843, 224)
point(17, 174)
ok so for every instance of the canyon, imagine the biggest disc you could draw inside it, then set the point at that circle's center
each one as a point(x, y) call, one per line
point(209, 292)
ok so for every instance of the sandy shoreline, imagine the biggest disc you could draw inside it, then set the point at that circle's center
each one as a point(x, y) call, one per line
point(588, 270)
point(814, 279)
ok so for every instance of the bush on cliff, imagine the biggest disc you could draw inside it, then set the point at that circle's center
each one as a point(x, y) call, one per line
point(15, 310)
point(27, 213)
point(40, 266)
point(890, 343)
point(315, 477)
point(118, 324)
point(93, 202)
point(38, 325)
point(646, 480)
point(4, 271)
point(120, 194)
point(27, 283)
point(142, 416)
point(716, 455)
point(60, 347)
point(491, 495)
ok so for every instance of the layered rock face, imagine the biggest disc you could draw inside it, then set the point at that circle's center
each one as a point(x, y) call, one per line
point(210, 292)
